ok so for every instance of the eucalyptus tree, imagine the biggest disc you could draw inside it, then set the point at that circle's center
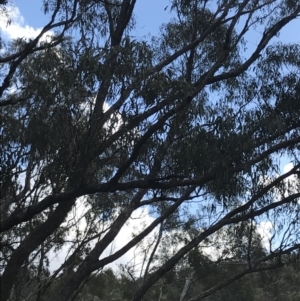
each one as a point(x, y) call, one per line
point(189, 124)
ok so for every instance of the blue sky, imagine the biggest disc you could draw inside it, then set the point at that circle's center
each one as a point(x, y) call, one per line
point(150, 14)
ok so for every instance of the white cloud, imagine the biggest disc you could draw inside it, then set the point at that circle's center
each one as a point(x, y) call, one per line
point(288, 167)
point(137, 222)
point(264, 230)
point(292, 182)
point(17, 28)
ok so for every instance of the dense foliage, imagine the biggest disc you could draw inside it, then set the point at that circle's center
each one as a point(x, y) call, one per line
point(278, 284)
point(188, 130)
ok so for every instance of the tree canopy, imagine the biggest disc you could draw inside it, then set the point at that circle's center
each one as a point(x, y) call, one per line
point(190, 127)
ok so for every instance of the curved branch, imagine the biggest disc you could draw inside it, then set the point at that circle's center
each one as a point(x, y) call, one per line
point(255, 269)
point(36, 237)
point(184, 250)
